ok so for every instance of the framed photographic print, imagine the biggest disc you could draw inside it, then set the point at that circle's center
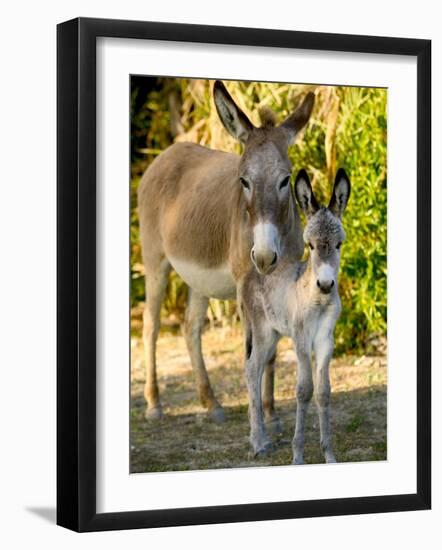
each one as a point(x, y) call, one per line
point(244, 255)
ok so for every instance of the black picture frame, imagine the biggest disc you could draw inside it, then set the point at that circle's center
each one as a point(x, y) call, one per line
point(76, 273)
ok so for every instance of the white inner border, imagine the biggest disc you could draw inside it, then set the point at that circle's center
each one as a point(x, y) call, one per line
point(116, 489)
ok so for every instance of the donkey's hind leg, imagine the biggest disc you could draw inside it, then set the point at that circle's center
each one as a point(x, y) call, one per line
point(155, 283)
point(192, 329)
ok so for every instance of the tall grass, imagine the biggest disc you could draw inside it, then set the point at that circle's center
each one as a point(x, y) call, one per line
point(348, 128)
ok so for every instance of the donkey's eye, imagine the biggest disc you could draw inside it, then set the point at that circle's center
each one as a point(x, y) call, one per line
point(284, 183)
point(244, 183)
point(338, 246)
point(311, 246)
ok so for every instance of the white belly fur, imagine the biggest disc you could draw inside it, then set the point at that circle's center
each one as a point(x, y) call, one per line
point(211, 282)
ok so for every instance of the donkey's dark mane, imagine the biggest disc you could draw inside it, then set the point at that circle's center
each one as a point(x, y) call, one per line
point(267, 117)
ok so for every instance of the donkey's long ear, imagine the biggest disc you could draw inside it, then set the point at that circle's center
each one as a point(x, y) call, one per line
point(341, 193)
point(304, 194)
point(297, 120)
point(234, 120)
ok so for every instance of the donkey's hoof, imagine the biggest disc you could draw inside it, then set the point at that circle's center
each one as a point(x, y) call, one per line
point(153, 413)
point(217, 415)
point(264, 452)
point(330, 459)
point(298, 461)
point(274, 426)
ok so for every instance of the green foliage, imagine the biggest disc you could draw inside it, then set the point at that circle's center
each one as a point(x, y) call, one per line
point(348, 128)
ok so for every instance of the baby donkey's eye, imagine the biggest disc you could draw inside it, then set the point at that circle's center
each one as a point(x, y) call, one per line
point(284, 182)
point(338, 246)
point(311, 246)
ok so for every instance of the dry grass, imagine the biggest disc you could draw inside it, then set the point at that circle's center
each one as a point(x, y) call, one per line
point(187, 440)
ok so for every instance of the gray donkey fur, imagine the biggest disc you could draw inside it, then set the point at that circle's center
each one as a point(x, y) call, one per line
point(300, 300)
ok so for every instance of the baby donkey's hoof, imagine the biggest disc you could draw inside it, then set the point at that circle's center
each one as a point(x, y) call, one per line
point(263, 452)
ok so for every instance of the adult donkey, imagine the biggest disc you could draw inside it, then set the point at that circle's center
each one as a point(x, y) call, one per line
point(208, 215)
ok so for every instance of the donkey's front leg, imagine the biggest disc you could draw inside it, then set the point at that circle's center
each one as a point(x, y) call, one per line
point(323, 347)
point(304, 392)
point(193, 326)
point(272, 420)
point(258, 351)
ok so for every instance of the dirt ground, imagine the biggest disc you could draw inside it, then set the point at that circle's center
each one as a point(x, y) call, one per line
point(187, 440)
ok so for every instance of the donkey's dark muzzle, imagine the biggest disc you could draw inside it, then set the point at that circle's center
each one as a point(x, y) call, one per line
point(325, 286)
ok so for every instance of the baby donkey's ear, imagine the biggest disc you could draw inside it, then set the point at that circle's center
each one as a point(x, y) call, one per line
point(304, 194)
point(341, 193)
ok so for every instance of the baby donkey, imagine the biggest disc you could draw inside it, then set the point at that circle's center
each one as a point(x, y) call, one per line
point(300, 300)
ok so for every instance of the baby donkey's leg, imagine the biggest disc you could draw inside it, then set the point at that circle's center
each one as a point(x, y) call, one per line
point(323, 347)
point(304, 392)
point(260, 346)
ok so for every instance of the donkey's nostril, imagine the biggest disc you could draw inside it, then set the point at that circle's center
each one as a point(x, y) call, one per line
point(325, 286)
point(275, 259)
point(253, 255)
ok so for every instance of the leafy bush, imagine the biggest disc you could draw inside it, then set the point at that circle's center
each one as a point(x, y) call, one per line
point(348, 128)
